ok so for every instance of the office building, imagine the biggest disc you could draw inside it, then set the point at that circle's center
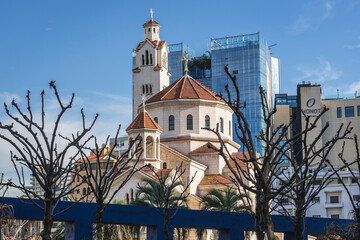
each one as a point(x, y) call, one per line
point(248, 58)
point(332, 201)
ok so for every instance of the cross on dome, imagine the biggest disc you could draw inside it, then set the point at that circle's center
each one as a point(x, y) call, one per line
point(151, 13)
point(186, 60)
point(143, 102)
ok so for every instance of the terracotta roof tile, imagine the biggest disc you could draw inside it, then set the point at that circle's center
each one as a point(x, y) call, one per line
point(238, 157)
point(143, 120)
point(184, 88)
point(205, 149)
point(215, 179)
point(151, 21)
point(158, 44)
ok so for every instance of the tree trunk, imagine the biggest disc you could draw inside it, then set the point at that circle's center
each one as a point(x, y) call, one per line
point(298, 226)
point(259, 219)
point(48, 219)
point(166, 227)
point(269, 225)
point(98, 224)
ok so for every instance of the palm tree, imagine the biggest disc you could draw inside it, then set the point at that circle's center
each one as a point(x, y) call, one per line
point(225, 200)
point(167, 193)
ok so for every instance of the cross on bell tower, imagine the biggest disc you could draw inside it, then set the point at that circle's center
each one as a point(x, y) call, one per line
point(151, 13)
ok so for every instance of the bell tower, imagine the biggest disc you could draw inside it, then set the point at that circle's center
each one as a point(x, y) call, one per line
point(150, 74)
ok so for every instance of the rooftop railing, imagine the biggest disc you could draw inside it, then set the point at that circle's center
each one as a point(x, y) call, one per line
point(79, 220)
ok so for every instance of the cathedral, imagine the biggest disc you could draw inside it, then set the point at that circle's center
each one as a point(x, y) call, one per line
point(172, 122)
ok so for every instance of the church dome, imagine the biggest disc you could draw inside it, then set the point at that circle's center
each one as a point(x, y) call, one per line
point(184, 88)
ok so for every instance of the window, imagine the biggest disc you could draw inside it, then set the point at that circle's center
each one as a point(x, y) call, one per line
point(221, 125)
point(229, 128)
point(143, 89)
point(171, 123)
point(285, 202)
point(317, 182)
point(356, 198)
point(358, 109)
point(316, 216)
point(336, 216)
point(156, 119)
point(149, 30)
point(189, 122)
point(164, 165)
point(84, 191)
point(349, 111)
point(143, 59)
point(150, 88)
point(334, 199)
point(207, 121)
point(147, 57)
point(132, 194)
point(127, 199)
point(151, 59)
point(154, 30)
point(353, 180)
point(316, 200)
point(147, 89)
point(339, 115)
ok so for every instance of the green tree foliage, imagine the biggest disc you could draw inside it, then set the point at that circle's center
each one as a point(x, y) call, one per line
point(224, 200)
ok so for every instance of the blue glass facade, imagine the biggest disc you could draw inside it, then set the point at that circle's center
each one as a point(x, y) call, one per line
point(176, 53)
point(247, 57)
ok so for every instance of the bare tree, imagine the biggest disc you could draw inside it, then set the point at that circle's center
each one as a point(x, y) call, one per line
point(100, 174)
point(38, 149)
point(352, 231)
point(166, 194)
point(309, 181)
point(259, 175)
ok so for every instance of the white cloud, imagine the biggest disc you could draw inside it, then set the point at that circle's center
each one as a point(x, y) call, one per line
point(352, 46)
point(353, 87)
point(311, 16)
point(323, 72)
point(8, 97)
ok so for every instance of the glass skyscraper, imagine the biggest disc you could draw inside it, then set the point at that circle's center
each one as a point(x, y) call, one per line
point(247, 57)
point(175, 64)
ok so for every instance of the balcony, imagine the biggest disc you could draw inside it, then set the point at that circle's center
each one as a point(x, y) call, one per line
point(334, 204)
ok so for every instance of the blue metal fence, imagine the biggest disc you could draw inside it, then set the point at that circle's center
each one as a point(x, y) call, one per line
point(79, 220)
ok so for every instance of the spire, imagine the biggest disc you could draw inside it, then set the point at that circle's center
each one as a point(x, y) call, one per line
point(186, 60)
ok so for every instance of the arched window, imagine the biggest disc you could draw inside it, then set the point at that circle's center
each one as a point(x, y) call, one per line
point(143, 89)
point(229, 128)
point(156, 119)
point(143, 59)
point(164, 165)
point(127, 199)
point(84, 191)
point(150, 87)
point(150, 59)
point(132, 194)
point(147, 57)
point(189, 122)
point(154, 30)
point(88, 190)
point(149, 30)
point(207, 121)
point(147, 89)
point(171, 123)
point(221, 125)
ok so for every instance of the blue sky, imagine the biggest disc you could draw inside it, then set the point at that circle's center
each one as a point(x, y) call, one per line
point(86, 46)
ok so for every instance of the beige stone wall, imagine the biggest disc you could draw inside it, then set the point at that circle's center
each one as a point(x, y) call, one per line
point(335, 123)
